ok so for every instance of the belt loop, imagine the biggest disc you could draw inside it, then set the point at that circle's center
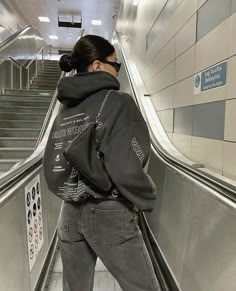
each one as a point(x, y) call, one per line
point(115, 193)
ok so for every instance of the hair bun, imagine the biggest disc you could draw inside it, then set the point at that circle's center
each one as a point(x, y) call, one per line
point(66, 63)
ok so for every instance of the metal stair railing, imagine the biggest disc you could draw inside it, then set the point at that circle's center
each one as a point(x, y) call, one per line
point(20, 56)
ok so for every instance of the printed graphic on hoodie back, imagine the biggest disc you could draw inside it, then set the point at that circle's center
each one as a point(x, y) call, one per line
point(70, 127)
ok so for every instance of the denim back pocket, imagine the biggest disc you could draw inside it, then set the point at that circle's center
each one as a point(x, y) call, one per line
point(108, 226)
point(112, 227)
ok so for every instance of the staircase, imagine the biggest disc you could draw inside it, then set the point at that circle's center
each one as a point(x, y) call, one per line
point(22, 113)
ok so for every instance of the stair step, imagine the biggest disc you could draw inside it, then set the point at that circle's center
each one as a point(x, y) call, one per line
point(21, 124)
point(43, 87)
point(15, 153)
point(44, 78)
point(7, 164)
point(24, 109)
point(41, 98)
point(22, 116)
point(19, 132)
point(12, 142)
point(25, 102)
point(29, 92)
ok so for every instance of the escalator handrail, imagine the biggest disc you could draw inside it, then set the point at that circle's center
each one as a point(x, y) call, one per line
point(225, 189)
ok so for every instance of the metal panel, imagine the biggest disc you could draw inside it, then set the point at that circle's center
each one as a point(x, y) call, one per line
point(157, 171)
point(210, 262)
point(14, 274)
point(211, 14)
point(183, 120)
point(13, 231)
point(209, 119)
point(174, 220)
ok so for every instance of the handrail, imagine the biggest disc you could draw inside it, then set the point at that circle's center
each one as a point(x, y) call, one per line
point(186, 166)
point(14, 35)
point(34, 58)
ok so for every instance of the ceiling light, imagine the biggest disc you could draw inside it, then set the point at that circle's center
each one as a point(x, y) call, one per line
point(135, 2)
point(96, 22)
point(43, 19)
point(53, 37)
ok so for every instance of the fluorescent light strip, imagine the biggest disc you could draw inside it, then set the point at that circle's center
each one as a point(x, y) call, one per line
point(43, 19)
point(96, 22)
point(53, 37)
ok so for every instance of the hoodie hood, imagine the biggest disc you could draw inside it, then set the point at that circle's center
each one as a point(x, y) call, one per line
point(77, 88)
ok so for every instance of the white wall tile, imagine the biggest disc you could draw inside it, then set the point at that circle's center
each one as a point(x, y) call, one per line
point(230, 120)
point(231, 84)
point(179, 2)
point(208, 152)
point(163, 100)
point(216, 94)
point(162, 59)
point(183, 143)
point(185, 11)
point(159, 6)
point(170, 29)
point(186, 37)
point(232, 39)
point(170, 136)
point(213, 47)
point(229, 164)
point(166, 118)
point(183, 92)
point(200, 3)
point(162, 80)
point(185, 64)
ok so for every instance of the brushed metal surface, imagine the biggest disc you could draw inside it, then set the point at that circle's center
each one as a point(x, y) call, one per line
point(210, 262)
point(14, 265)
point(174, 220)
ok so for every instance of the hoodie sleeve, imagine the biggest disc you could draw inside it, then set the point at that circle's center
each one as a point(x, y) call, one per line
point(125, 156)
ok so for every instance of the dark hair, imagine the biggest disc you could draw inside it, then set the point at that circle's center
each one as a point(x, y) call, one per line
point(87, 49)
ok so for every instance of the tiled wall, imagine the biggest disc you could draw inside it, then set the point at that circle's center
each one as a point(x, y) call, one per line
point(173, 40)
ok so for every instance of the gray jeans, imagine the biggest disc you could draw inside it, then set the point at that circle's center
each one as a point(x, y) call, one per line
point(108, 230)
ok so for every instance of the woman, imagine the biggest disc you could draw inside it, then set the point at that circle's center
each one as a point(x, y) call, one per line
point(94, 224)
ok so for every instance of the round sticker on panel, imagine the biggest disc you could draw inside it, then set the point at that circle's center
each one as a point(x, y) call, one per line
point(37, 188)
point(197, 81)
point(38, 203)
point(29, 216)
point(28, 199)
point(33, 193)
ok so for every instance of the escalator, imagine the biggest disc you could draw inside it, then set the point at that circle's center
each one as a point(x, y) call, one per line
point(192, 224)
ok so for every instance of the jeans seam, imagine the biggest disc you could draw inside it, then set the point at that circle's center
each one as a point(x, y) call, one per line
point(147, 266)
point(66, 226)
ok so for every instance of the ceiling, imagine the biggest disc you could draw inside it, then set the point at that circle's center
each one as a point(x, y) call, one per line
point(104, 10)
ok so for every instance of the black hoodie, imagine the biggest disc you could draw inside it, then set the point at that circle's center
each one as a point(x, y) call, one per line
point(124, 139)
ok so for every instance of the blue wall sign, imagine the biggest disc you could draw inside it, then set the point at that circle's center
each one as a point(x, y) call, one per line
point(211, 78)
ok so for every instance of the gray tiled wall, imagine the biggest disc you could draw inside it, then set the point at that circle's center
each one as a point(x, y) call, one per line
point(211, 14)
point(203, 120)
point(208, 120)
point(233, 6)
point(183, 120)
